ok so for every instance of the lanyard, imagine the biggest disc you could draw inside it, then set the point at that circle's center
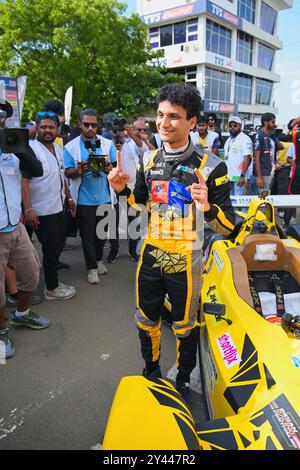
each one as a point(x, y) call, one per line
point(230, 143)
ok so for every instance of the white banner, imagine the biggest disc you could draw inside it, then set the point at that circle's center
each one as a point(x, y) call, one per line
point(278, 201)
point(2, 90)
point(68, 104)
point(22, 81)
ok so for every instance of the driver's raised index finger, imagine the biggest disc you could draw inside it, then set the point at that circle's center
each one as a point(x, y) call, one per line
point(119, 161)
point(200, 177)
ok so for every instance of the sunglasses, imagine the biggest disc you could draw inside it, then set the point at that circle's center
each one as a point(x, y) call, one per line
point(89, 124)
point(140, 129)
point(45, 114)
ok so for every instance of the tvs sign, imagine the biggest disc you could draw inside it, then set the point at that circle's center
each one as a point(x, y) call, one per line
point(195, 8)
point(177, 12)
point(223, 14)
point(173, 13)
point(214, 106)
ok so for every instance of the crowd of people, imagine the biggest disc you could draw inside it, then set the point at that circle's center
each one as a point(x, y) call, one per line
point(70, 179)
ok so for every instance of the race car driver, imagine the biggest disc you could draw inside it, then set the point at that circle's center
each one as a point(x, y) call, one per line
point(178, 182)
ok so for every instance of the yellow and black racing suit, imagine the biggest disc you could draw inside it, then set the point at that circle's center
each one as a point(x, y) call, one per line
point(170, 260)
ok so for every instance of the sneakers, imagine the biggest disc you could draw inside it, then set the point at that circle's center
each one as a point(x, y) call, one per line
point(112, 257)
point(93, 277)
point(155, 374)
point(35, 300)
point(133, 257)
point(101, 269)
point(9, 350)
point(31, 320)
point(62, 292)
point(183, 388)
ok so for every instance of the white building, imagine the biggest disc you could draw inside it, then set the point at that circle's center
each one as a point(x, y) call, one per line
point(226, 48)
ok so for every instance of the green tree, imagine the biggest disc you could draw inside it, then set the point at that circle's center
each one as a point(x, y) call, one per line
point(90, 45)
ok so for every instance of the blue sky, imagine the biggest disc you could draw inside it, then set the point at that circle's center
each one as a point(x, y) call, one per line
point(287, 92)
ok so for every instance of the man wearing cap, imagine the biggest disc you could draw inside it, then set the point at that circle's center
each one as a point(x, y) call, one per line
point(238, 151)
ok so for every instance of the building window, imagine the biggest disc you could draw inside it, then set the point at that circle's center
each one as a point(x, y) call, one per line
point(243, 89)
point(188, 73)
point(180, 32)
point(222, 121)
point(263, 91)
point(268, 18)
point(265, 57)
point(218, 39)
point(154, 37)
point(244, 50)
point(166, 35)
point(177, 33)
point(192, 29)
point(218, 85)
point(246, 10)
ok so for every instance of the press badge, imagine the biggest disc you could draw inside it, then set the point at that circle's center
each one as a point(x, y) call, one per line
point(160, 192)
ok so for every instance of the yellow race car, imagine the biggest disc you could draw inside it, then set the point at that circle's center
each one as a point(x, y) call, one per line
point(249, 342)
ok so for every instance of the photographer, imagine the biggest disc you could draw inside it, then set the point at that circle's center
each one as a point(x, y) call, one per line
point(89, 187)
point(16, 249)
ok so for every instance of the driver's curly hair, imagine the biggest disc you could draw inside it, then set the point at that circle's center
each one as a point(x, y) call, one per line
point(187, 96)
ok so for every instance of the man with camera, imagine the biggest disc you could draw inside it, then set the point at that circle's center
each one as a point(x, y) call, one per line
point(16, 250)
point(44, 198)
point(88, 159)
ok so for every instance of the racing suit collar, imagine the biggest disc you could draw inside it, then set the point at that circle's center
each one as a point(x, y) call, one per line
point(182, 156)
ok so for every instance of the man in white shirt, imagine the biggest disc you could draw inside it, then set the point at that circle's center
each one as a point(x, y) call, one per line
point(44, 199)
point(238, 151)
point(204, 138)
point(131, 153)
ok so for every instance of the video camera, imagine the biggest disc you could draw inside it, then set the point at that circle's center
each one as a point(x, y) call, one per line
point(97, 163)
point(64, 129)
point(14, 140)
point(116, 125)
point(3, 115)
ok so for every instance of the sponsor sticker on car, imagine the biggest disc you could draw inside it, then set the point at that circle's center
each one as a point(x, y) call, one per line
point(228, 350)
point(218, 260)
